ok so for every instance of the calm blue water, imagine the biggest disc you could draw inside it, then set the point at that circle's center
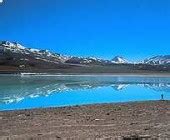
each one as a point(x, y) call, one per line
point(23, 92)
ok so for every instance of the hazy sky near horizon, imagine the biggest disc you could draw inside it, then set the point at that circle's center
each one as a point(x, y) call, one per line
point(135, 29)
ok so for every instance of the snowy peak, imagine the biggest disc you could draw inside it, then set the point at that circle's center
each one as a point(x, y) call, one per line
point(119, 60)
point(158, 60)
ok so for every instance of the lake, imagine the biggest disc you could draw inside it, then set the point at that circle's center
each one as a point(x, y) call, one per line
point(25, 92)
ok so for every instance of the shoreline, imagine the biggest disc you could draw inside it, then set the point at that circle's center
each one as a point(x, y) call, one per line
point(84, 105)
point(144, 119)
point(90, 74)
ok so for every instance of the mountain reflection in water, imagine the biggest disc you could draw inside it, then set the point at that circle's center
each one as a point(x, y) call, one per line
point(17, 88)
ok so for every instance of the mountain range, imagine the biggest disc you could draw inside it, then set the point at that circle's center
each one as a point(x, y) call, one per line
point(16, 58)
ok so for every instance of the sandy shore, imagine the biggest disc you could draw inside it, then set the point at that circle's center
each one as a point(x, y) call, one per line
point(149, 119)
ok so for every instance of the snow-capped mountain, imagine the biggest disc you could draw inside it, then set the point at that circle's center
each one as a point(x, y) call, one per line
point(22, 54)
point(158, 60)
point(87, 60)
point(119, 60)
point(16, 58)
point(17, 51)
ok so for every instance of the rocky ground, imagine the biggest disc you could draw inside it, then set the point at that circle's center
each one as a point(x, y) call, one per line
point(136, 120)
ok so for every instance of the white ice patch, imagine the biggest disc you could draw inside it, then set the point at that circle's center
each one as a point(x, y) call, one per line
point(20, 46)
point(34, 50)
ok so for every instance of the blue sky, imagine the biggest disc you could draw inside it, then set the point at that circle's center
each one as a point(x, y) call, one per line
point(135, 29)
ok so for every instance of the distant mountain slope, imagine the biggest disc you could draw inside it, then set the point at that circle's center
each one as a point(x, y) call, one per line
point(158, 60)
point(18, 51)
point(87, 60)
